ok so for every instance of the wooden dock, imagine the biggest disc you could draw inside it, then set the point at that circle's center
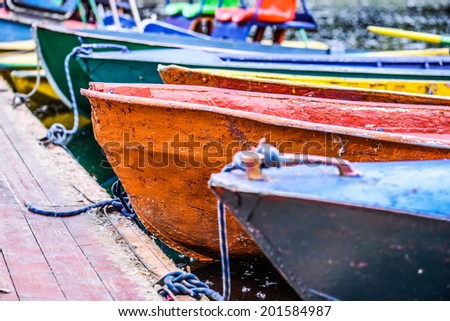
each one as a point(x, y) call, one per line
point(87, 257)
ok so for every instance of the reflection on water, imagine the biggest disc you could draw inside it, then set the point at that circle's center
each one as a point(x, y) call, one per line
point(250, 281)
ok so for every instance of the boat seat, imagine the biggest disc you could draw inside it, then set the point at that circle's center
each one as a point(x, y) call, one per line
point(58, 7)
point(195, 16)
point(191, 10)
point(281, 15)
point(270, 11)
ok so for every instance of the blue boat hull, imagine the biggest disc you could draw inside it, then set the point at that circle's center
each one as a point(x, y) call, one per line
point(332, 238)
point(14, 31)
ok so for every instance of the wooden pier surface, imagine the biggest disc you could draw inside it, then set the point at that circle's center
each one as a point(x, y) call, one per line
point(86, 257)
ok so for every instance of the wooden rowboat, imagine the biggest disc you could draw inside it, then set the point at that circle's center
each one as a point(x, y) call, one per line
point(424, 87)
point(13, 31)
point(20, 45)
point(186, 76)
point(15, 60)
point(165, 141)
point(16, 22)
point(383, 235)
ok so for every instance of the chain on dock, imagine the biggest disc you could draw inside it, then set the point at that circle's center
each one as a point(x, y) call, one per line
point(183, 283)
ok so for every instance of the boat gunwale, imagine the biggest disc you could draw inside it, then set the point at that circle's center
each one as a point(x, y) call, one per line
point(149, 42)
point(216, 181)
point(267, 95)
point(218, 74)
point(140, 56)
point(278, 76)
point(268, 119)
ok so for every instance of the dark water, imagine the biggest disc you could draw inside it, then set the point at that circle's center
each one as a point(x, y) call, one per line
point(254, 280)
point(342, 25)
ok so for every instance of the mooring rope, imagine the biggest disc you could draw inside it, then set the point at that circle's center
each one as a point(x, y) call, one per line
point(81, 210)
point(58, 134)
point(19, 98)
point(120, 202)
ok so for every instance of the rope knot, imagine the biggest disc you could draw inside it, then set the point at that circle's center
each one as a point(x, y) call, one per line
point(56, 134)
point(19, 99)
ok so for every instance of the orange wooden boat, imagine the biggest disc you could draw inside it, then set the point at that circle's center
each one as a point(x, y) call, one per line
point(178, 75)
point(165, 141)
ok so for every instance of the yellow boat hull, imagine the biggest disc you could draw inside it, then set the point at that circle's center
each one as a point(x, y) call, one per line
point(17, 45)
point(18, 59)
point(23, 82)
point(409, 53)
point(441, 88)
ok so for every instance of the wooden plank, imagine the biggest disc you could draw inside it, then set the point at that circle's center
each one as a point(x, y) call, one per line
point(147, 251)
point(28, 267)
point(116, 272)
point(36, 160)
point(7, 290)
point(21, 182)
point(74, 271)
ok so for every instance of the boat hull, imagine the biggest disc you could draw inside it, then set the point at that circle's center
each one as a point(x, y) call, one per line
point(164, 152)
point(13, 32)
point(339, 250)
point(186, 76)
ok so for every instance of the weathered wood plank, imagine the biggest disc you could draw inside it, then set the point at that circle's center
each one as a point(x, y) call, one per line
point(19, 179)
point(32, 276)
point(147, 251)
point(35, 158)
point(7, 290)
point(117, 272)
point(73, 270)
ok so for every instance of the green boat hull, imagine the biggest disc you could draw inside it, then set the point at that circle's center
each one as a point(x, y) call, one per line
point(54, 47)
